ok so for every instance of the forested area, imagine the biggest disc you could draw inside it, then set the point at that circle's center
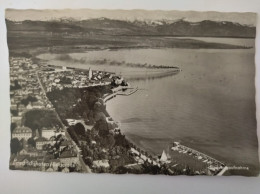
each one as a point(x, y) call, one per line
point(78, 103)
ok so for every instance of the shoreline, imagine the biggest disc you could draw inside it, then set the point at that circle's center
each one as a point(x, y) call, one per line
point(89, 45)
point(140, 146)
point(143, 74)
point(221, 167)
point(143, 144)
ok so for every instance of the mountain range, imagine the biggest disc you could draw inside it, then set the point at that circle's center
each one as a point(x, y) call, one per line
point(105, 26)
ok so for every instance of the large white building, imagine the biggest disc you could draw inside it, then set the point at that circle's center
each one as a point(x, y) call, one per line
point(48, 133)
point(40, 142)
point(22, 133)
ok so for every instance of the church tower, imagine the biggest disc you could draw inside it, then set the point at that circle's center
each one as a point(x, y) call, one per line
point(89, 74)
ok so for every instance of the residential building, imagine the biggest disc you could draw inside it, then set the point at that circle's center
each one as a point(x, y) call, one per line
point(48, 133)
point(22, 133)
point(40, 142)
point(69, 157)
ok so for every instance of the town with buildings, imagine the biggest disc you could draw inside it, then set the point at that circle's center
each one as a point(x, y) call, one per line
point(43, 147)
point(42, 143)
point(71, 78)
point(48, 136)
point(94, 92)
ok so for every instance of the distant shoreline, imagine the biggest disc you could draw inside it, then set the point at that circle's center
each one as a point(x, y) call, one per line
point(195, 36)
point(84, 44)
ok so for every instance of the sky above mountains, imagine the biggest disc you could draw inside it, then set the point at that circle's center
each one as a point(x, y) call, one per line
point(245, 18)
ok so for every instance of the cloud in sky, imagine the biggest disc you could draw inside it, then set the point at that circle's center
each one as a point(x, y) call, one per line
point(244, 18)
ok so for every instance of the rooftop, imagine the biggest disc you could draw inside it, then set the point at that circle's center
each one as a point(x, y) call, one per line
point(68, 154)
point(22, 130)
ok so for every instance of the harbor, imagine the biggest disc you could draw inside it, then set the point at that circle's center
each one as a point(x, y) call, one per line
point(215, 166)
point(120, 90)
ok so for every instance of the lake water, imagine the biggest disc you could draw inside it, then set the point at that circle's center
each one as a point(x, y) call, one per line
point(209, 105)
point(234, 41)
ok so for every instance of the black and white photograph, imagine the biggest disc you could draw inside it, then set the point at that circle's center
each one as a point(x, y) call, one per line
point(132, 91)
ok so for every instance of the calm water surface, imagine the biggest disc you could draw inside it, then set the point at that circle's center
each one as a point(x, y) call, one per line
point(209, 105)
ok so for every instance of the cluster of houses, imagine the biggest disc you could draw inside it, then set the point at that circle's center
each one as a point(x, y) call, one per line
point(23, 86)
point(49, 149)
point(54, 154)
point(57, 78)
point(141, 157)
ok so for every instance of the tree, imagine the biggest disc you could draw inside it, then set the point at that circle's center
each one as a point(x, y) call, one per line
point(16, 86)
point(108, 141)
point(65, 80)
point(15, 146)
point(73, 134)
point(121, 141)
point(27, 100)
point(14, 112)
point(121, 170)
point(32, 99)
point(102, 127)
point(151, 169)
point(90, 116)
point(31, 142)
point(79, 129)
point(39, 118)
point(89, 161)
point(13, 126)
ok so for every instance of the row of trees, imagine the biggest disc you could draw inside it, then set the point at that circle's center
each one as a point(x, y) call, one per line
point(16, 145)
point(127, 64)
